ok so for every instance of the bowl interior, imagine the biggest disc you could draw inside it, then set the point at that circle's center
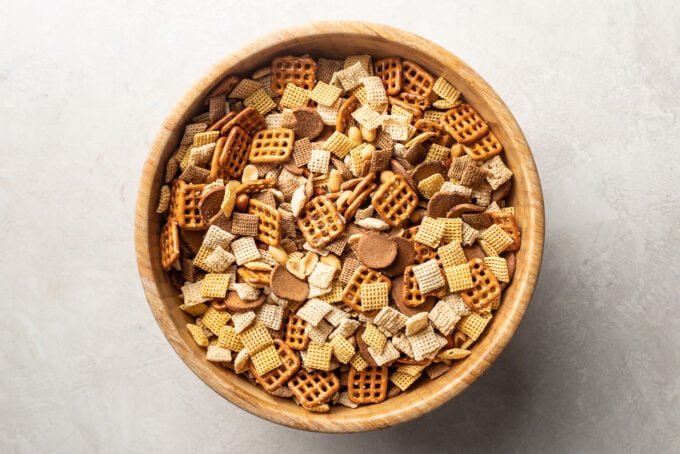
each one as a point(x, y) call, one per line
point(337, 40)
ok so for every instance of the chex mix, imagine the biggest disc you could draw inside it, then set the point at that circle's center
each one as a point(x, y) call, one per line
point(338, 229)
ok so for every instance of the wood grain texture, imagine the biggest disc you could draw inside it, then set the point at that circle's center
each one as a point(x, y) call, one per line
point(338, 39)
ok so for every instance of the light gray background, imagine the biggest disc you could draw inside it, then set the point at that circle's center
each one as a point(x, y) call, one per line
point(594, 366)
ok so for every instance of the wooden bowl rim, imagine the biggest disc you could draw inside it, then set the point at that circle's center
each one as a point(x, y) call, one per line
point(434, 393)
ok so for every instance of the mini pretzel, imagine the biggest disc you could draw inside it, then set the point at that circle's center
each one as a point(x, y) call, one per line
point(351, 295)
point(300, 71)
point(249, 119)
point(272, 145)
point(394, 201)
point(319, 222)
point(269, 222)
point(274, 379)
point(313, 388)
point(361, 191)
point(188, 214)
point(234, 156)
point(255, 186)
point(415, 111)
point(464, 124)
point(485, 148)
point(413, 100)
point(389, 70)
point(368, 386)
point(507, 222)
point(486, 287)
point(169, 244)
point(217, 126)
point(345, 113)
point(296, 337)
point(423, 252)
point(441, 136)
point(254, 277)
point(417, 80)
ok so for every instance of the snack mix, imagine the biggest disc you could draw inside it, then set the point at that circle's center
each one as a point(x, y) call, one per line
point(338, 228)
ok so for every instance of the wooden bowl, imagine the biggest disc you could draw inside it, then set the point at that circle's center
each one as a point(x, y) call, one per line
point(339, 39)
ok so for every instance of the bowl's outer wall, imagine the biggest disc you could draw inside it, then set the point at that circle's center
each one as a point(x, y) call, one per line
point(339, 39)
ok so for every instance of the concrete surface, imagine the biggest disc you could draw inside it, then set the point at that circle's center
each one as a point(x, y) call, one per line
point(593, 368)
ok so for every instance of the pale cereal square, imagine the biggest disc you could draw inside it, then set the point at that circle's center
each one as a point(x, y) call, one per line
point(245, 250)
point(375, 92)
point(218, 354)
point(271, 316)
point(319, 160)
point(425, 343)
point(346, 328)
point(402, 343)
point(396, 126)
point(243, 320)
point(351, 76)
point(390, 319)
point(192, 293)
point(389, 354)
point(367, 117)
point(498, 172)
point(429, 276)
point(444, 317)
point(314, 311)
point(215, 237)
point(415, 323)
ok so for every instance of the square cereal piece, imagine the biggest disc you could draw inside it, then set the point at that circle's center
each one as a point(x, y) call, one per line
point(256, 338)
point(349, 266)
point(452, 254)
point(374, 338)
point(364, 60)
point(190, 132)
point(302, 151)
point(192, 293)
point(473, 176)
point(260, 101)
point(396, 126)
point(194, 174)
point(496, 237)
point(374, 296)
point(214, 320)
point(389, 354)
point(329, 114)
point(244, 224)
point(336, 316)
point(215, 237)
point(498, 173)
point(314, 311)
point(205, 138)
point(444, 317)
point(453, 229)
point(325, 94)
point(499, 268)
point(215, 285)
point(390, 319)
point(339, 144)
point(437, 153)
point(245, 88)
point(425, 343)
point(430, 232)
point(367, 117)
point(271, 316)
point(325, 69)
point(242, 361)
point(469, 234)
point(346, 328)
point(201, 256)
point(351, 76)
point(318, 356)
point(229, 200)
point(243, 320)
point(219, 260)
point(245, 250)
point(319, 333)
point(358, 362)
point(274, 120)
point(402, 380)
point(375, 92)
point(322, 275)
point(196, 310)
point(266, 360)
point(445, 90)
point(380, 160)
point(218, 354)
point(294, 96)
point(429, 276)
point(319, 160)
point(431, 185)
point(458, 277)
point(228, 338)
point(343, 350)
